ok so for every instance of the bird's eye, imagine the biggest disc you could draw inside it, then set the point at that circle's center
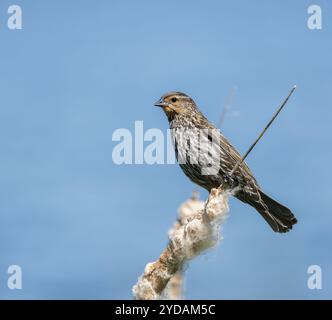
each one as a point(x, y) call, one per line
point(174, 99)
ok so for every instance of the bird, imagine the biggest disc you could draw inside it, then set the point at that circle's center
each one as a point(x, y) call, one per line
point(209, 161)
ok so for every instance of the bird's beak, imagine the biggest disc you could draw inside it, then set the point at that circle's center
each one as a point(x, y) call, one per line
point(161, 103)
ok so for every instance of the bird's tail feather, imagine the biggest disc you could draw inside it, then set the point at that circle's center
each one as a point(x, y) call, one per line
point(279, 217)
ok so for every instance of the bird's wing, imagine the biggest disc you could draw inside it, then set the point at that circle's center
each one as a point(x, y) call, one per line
point(243, 168)
point(231, 157)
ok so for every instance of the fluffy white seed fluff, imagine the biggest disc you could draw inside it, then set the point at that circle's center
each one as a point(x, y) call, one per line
point(197, 230)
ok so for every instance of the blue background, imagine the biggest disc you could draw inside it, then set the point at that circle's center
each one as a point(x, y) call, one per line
point(81, 226)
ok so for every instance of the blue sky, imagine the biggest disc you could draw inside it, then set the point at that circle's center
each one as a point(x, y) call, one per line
point(79, 70)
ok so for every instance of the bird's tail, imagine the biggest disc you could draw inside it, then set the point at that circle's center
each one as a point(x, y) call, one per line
point(279, 217)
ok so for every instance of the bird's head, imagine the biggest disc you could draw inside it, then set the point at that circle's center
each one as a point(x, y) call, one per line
point(176, 103)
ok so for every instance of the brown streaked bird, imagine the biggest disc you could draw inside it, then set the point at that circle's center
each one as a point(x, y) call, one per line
point(187, 124)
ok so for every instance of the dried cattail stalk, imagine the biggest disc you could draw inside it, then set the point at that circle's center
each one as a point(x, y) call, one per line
point(197, 230)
